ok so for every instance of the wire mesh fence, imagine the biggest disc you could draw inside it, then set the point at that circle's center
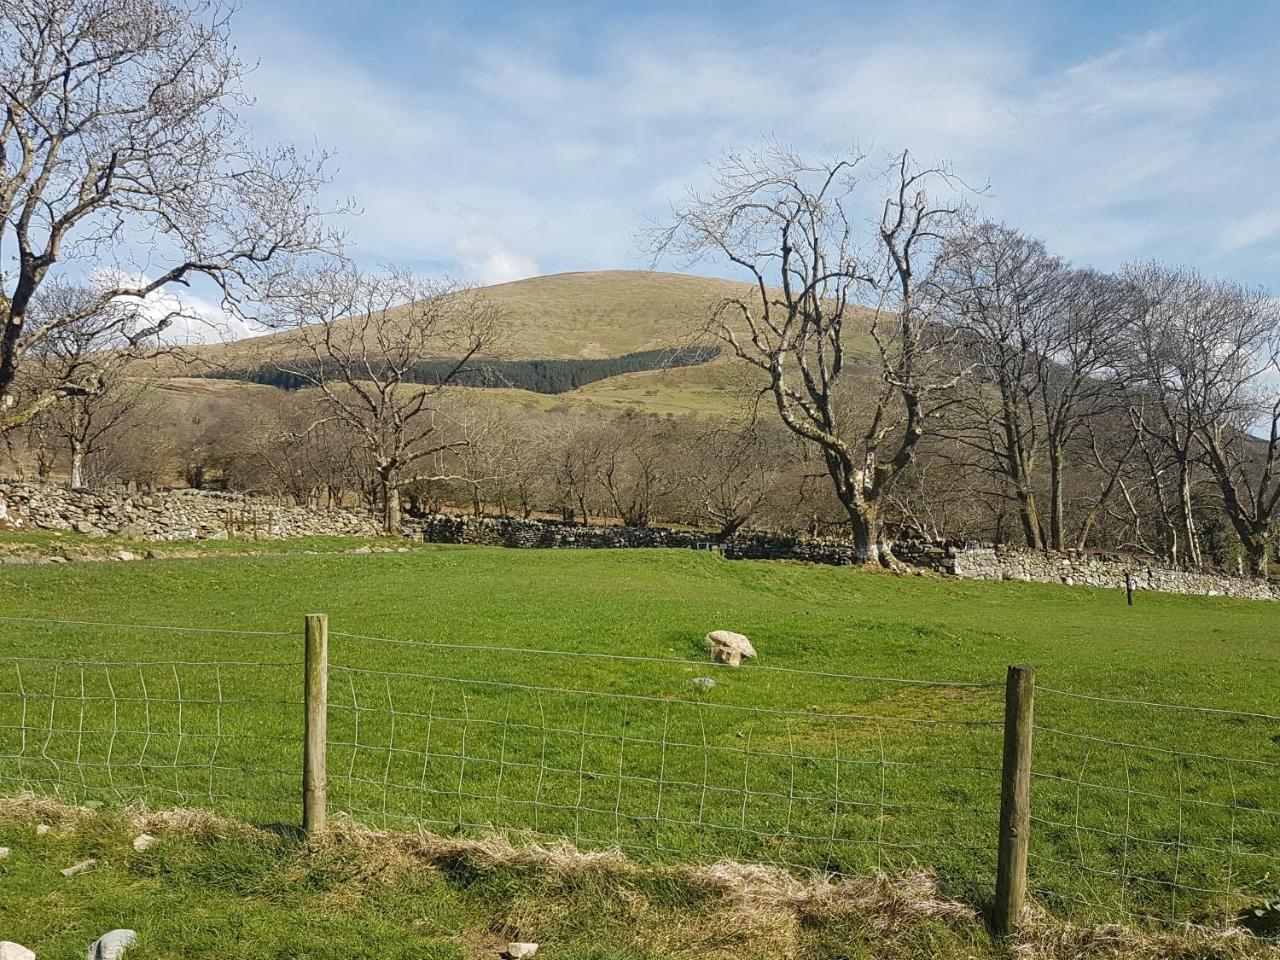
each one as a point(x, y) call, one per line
point(222, 734)
point(1138, 809)
point(1153, 810)
point(664, 764)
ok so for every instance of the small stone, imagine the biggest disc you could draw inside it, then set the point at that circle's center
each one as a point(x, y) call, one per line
point(126, 555)
point(14, 951)
point(4, 853)
point(142, 841)
point(80, 867)
point(702, 683)
point(111, 946)
point(517, 951)
point(42, 829)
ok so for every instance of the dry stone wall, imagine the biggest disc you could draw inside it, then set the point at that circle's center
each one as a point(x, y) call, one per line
point(994, 563)
point(203, 515)
point(170, 515)
point(954, 558)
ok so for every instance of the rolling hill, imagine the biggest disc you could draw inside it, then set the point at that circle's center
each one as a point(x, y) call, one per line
point(583, 316)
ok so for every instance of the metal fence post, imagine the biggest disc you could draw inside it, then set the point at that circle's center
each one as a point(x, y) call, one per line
point(316, 698)
point(1015, 799)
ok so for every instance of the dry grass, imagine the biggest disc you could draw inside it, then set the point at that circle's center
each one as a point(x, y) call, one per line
point(726, 909)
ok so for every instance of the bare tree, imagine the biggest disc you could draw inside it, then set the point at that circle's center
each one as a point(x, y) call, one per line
point(817, 284)
point(98, 347)
point(728, 472)
point(121, 120)
point(634, 467)
point(1173, 312)
point(359, 339)
point(1207, 354)
point(1044, 341)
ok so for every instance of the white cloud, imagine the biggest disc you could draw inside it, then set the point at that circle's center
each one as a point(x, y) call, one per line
point(487, 261)
point(192, 319)
point(493, 159)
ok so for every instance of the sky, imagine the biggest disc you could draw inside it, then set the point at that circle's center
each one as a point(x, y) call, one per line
point(495, 141)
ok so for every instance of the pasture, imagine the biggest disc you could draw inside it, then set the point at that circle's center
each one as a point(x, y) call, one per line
point(550, 695)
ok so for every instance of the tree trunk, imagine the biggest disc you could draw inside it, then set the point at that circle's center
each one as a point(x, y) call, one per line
point(390, 491)
point(77, 466)
point(1057, 506)
point(1029, 515)
point(1188, 517)
point(1255, 554)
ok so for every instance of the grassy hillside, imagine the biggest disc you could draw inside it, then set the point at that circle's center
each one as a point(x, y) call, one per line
point(587, 315)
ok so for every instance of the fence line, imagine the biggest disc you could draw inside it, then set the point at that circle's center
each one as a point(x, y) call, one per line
point(1150, 703)
point(667, 661)
point(1137, 809)
point(151, 626)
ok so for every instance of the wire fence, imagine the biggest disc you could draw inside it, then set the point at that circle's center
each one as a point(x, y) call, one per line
point(1180, 817)
point(659, 766)
point(1138, 809)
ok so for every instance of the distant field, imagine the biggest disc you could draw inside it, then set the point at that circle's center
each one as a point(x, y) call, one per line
point(847, 773)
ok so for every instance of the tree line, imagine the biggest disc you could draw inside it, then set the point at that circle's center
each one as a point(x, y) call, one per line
point(545, 375)
point(917, 367)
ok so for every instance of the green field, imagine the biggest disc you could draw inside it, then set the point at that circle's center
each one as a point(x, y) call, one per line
point(799, 760)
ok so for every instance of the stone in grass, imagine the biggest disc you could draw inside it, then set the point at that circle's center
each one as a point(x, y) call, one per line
point(111, 946)
point(728, 647)
point(142, 841)
point(14, 951)
point(80, 867)
point(702, 683)
point(4, 853)
point(518, 951)
point(42, 829)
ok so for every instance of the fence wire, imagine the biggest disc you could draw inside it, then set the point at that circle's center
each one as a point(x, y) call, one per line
point(204, 730)
point(1139, 809)
point(1176, 821)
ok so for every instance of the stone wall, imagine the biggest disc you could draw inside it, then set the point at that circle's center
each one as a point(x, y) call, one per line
point(203, 515)
point(961, 559)
point(994, 563)
point(171, 515)
point(511, 532)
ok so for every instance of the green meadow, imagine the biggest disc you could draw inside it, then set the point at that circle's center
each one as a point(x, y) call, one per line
point(564, 695)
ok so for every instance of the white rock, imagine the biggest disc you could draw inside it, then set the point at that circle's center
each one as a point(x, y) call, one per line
point(14, 951)
point(4, 853)
point(111, 946)
point(80, 867)
point(728, 647)
point(517, 951)
point(142, 841)
point(41, 829)
point(702, 683)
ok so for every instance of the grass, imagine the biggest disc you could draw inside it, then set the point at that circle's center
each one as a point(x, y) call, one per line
point(849, 775)
point(592, 314)
point(208, 888)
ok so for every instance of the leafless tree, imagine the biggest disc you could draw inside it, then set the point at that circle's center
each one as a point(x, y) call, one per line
point(98, 347)
point(121, 121)
point(1044, 341)
point(634, 467)
point(359, 339)
point(729, 471)
point(1206, 358)
point(818, 284)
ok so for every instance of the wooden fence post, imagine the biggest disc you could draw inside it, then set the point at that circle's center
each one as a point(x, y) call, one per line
point(1015, 799)
point(316, 698)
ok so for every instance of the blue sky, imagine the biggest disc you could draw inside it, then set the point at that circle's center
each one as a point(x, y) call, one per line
point(498, 140)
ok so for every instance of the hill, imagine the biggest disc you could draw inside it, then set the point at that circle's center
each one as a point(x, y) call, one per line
point(603, 320)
